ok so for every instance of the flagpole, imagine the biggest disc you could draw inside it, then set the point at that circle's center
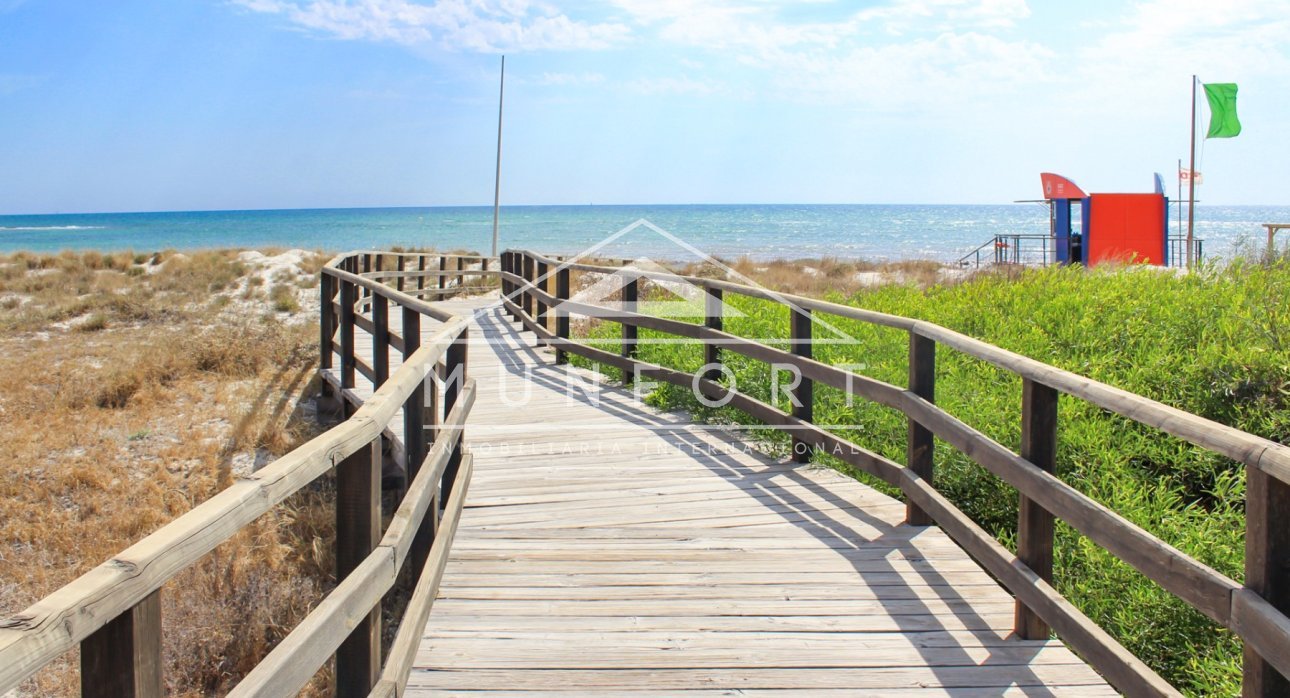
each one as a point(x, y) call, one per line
point(497, 180)
point(1191, 181)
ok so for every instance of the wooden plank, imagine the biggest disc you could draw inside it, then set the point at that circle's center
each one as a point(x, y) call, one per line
point(485, 655)
point(542, 279)
point(1034, 523)
point(709, 608)
point(630, 334)
point(691, 588)
point(806, 640)
point(921, 444)
point(803, 393)
point(380, 340)
point(1267, 574)
point(454, 384)
point(358, 530)
point(740, 679)
point(327, 321)
point(1266, 631)
point(562, 315)
point(974, 692)
point(123, 658)
point(348, 296)
point(450, 623)
point(712, 319)
point(529, 297)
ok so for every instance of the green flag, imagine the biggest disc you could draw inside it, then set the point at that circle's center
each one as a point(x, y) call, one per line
point(1222, 110)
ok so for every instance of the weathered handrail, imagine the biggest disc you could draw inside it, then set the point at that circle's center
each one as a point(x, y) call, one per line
point(1255, 611)
point(113, 611)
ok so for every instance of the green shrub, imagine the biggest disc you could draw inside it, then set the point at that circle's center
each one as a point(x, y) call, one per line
point(283, 297)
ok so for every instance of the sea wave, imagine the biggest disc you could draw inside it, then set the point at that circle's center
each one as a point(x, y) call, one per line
point(52, 227)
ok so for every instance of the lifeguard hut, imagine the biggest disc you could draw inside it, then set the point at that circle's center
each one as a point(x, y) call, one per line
point(1111, 227)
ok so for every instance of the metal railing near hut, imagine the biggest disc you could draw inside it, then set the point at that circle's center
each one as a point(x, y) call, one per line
point(1038, 250)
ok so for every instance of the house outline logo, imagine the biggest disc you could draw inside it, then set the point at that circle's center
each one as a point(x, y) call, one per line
point(641, 269)
point(605, 292)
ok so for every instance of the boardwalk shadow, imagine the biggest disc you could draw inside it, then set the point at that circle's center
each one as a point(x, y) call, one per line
point(949, 651)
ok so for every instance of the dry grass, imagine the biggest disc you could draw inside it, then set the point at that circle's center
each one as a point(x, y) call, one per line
point(820, 278)
point(125, 401)
point(825, 275)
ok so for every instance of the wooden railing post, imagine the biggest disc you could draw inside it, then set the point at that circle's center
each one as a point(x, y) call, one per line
point(380, 339)
point(1267, 569)
point(358, 531)
point(348, 297)
point(399, 266)
point(326, 323)
point(541, 279)
point(631, 291)
point(528, 278)
point(455, 365)
point(561, 315)
point(461, 278)
point(517, 293)
point(443, 276)
point(367, 267)
point(712, 319)
point(506, 269)
point(920, 446)
point(415, 420)
point(803, 395)
point(1034, 523)
point(123, 658)
point(421, 267)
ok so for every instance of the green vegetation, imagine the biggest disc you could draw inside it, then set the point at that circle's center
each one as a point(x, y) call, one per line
point(1215, 343)
point(284, 299)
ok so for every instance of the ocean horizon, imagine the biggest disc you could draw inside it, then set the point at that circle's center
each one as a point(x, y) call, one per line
point(875, 232)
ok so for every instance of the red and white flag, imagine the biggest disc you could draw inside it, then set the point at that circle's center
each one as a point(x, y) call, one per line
point(1185, 176)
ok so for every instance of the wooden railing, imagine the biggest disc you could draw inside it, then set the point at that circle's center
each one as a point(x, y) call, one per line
point(1254, 611)
point(113, 612)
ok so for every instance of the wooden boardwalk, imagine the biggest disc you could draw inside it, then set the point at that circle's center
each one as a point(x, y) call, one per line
point(611, 549)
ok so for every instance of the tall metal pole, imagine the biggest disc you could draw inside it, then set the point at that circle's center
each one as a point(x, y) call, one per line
point(1191, 181)
point(497, 181)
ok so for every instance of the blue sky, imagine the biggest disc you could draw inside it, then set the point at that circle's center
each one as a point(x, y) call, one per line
point(223, 104)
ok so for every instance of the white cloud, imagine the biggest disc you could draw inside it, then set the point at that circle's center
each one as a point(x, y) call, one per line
point(476, 25)
point(904, 16)
point(949, 69)
point(1144, 60)
point(1217, 40)
point(911, 52)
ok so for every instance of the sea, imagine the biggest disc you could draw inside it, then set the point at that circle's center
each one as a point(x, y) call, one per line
point(874, 232)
